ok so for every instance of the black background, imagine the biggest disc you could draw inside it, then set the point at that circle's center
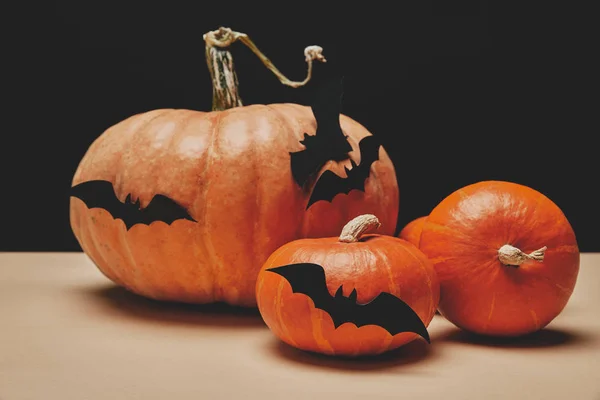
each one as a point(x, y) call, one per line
point(457, 91)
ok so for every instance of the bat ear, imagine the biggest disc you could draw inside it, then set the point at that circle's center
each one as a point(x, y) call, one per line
point(353, 295)
point(353, 164)
point(128, 198)
point(340, 291)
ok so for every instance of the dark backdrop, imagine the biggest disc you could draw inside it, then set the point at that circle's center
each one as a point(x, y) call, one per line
point(457, 91)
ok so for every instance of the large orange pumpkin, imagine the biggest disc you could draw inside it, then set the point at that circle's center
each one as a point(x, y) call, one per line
point(357, 266)
point(412, 231)
point(229, 170)
point(506, 256)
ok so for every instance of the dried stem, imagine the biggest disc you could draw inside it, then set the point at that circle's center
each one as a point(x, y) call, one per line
point(220, 65)
point(354, 229)
point(512, 256)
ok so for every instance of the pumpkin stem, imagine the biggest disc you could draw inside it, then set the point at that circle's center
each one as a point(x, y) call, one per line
point(224, 78)
point(512, 256)
point(354, 229)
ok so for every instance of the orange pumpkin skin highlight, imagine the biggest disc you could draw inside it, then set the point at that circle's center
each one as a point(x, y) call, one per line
point(412, 231)
point(464, 238)
point(375, 264)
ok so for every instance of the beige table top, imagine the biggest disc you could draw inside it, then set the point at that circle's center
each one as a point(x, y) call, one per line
point(67, 333)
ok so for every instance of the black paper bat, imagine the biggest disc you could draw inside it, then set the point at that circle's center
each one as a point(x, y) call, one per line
point(329, 184)
point(101, 194)
point(328, 142)
point(386, 310)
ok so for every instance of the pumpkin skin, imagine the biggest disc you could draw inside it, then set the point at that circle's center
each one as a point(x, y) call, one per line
point(231, 170)
point(464, 236)
point(412, 231)
point(374, 264)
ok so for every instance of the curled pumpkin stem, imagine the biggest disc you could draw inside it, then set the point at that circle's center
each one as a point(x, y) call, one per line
point(512, 256)
point(225, 37)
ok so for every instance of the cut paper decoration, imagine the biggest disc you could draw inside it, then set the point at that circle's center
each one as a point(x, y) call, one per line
point(328, 143)
point(101, 194)
point(386, 310)
point(330, 184)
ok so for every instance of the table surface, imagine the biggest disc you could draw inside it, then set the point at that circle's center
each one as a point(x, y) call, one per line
point(67, 333)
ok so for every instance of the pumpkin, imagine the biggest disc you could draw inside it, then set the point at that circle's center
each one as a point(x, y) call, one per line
point(358, 268)
point(412, 231)
point(506, 256)
point(203, 198)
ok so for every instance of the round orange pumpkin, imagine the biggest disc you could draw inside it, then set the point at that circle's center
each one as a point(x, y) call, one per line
point(412, 231)
point(358, 266)
point(229, 172)
point(506, 256)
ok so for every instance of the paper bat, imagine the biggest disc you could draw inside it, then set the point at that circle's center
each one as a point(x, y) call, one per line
point(328, 142)
point(101, 194)
point(386, 310)
point(329, 184)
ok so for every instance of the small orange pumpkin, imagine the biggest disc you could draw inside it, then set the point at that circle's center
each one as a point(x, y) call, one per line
point(229, 169)
point(506, 256)
point(358, 266)
point(412, 231)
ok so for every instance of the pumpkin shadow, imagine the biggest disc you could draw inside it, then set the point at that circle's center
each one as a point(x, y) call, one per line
point(411, 353)
point(547, 337)
point(119, 300)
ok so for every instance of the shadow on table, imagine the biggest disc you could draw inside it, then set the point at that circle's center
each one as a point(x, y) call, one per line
point(411, 353)
point(548, 337)
point(121, 301)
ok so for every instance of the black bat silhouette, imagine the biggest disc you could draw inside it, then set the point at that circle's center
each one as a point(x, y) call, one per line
point(101, 194)
point(329, 184)
point(328, 142)
point(386, 310)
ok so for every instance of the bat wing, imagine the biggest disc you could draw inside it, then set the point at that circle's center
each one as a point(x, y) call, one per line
point(329, 184)
point(392, 314)
point(162, 208)
point(100, 194)
point(329, 141)
point(369, 152)
point(386, 310)
point(308, 279)
point(310, 160)
point(318, 151)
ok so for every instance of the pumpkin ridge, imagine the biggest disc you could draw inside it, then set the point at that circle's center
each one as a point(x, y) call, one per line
point(409, 251)
point(316, 321)
point(283, 121)
point(122, 234)
point(394, 288)
point(492, 307)
point(535, 319)
point(277, 298)
point(208, 245)
point(465, 237)
point(279, 311)
point(127, 148)
point(251, 157)
point(517, 237)
point(99, 250)
point(182, 131)
point(89, 231)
